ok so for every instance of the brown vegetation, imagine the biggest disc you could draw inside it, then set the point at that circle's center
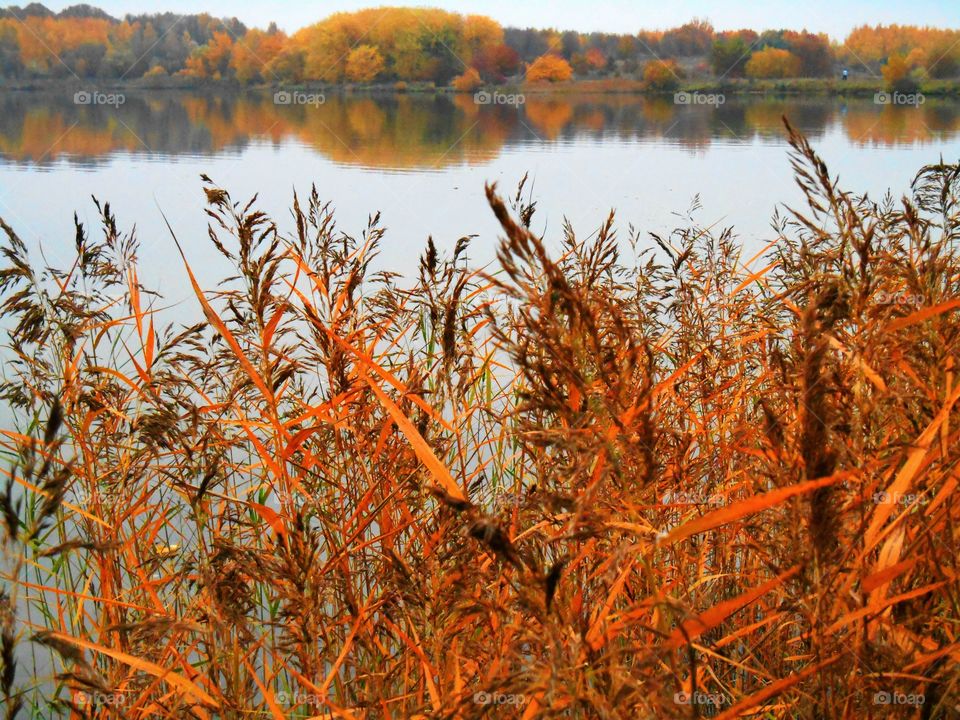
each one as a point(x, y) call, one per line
point(580, 486)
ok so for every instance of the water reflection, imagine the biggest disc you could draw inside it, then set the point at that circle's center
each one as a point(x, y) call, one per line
point(412, 132)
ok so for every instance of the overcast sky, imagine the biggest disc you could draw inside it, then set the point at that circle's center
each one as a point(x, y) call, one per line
point(835, 17)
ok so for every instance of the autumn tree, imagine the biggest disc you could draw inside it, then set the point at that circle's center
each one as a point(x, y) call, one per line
point(88, 42)
point(596, 60)
point(873, 45)
point(212, 61)
point(413, 43)
point(470, 81)
point(896, 75)
point(691, 39)
point(813, 51)
point(480, 36)
point(662, 75)
point(773, 62)
point(549, 68)
point(252, 54)
point(497, 63)
point(364, 63)
point(288, 65)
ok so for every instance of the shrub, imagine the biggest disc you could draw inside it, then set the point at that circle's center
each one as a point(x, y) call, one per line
point(468, 82)
point(156, 71)
point(549, 68)
point(662, 75)
point(897, 75)
point(773, 62)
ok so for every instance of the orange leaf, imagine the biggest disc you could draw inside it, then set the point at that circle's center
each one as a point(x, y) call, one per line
point(747, 507)
point(146, 666)
point(439, 471)
point(272, 518)
point(695, 627)
point(921, 315)
point(772, 690)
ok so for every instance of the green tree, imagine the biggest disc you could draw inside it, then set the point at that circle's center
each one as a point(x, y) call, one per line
point(729, 56)
point(11, 66)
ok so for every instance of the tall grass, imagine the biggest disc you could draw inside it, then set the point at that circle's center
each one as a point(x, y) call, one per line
point(697, 484)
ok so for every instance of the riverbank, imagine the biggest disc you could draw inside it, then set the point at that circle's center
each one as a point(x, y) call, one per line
point(860, 87)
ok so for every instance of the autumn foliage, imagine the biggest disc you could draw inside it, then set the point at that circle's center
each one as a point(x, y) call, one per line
point(662, 75)
point(391, 44)
point(468, 81)
point(549, 68)
point(773, 63)
point(412, 44)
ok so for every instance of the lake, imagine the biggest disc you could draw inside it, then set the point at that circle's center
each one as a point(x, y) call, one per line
point(422, 161)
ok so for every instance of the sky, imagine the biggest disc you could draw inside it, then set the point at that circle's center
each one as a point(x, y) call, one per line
point(835, 17)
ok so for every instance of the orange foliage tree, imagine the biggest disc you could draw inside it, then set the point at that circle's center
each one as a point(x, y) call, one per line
point(212, 60)
point(470, 81)
point(480, 36)
point(937, 50)
point(596, 59)
point(773, 62)
point(549, 68)
point(251, 55)
point(896, 74)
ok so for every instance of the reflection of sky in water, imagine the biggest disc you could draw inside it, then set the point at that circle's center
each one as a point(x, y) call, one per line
point(423, 163)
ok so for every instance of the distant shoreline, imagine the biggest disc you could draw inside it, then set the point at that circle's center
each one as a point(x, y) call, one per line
point(860, 87)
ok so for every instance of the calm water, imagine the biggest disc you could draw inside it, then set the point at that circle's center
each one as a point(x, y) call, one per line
point(423, 161)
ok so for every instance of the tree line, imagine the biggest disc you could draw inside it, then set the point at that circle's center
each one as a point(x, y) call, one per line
point(428, 45)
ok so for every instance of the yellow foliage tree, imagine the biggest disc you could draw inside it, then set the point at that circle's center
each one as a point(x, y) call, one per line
point(773, 62)
point(253, 53)
point(480, 35)
point(364, 63)
point(213, 59)
point(896, 74)
point(662, 75)
point(549, 68)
